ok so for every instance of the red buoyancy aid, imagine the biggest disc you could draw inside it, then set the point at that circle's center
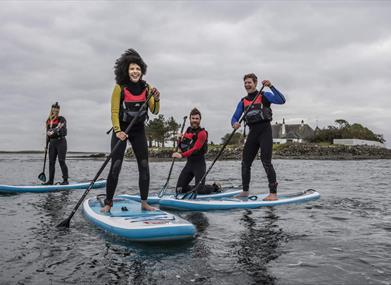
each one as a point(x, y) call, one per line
point(58, 126)
point(258, 112)
point(131, 104)
point(189, 139)
point(51, 124)
point(247, 102)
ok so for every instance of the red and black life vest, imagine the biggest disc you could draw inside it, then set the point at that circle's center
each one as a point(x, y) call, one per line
point(131, 104)
point(58, 126)
point(51, 124)
point(189, 139)
point(258, 112)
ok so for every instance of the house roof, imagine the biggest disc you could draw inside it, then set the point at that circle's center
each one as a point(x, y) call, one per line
point(292, 131)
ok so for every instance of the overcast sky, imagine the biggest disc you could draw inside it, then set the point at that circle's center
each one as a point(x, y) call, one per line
point(331, 59)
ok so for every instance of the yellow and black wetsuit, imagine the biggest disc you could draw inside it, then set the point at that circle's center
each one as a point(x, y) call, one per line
point(125, 102)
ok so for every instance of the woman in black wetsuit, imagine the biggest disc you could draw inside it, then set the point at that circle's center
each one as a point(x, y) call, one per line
point(129, 94)
point(56, 130)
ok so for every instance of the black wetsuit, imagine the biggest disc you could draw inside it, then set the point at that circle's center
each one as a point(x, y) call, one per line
point(259, 137)
point(195, 165)
point(57, 147)
point(138, 141)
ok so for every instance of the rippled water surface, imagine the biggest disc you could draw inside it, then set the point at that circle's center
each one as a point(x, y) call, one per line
point(343, 238)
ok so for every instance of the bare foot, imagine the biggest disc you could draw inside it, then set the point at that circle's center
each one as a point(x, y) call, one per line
point(243, 194)
point(106, 209)
point(271, 197)
point(146, 207)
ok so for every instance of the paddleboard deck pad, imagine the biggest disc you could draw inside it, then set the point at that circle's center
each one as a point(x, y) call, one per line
point(49, 188)
point(236, 203)
point(126, 219)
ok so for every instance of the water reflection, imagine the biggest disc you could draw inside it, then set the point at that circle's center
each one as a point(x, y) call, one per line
point(259, 244)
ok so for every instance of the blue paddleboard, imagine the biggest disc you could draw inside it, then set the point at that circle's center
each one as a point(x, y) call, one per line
point(236, 203)
point(49, 188)
point(126, 219)
point(154, 199)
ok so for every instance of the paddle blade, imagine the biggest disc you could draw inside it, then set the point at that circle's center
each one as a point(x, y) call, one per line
point(42, 177)
point(64, 224)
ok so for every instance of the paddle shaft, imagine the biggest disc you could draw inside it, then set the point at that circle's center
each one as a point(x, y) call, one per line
point(66, 221)
point(46, 154)
point(194, 190)
point(173, 161)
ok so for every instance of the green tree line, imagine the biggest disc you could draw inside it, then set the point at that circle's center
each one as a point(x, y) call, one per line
point(160, 130)
point(344, 130)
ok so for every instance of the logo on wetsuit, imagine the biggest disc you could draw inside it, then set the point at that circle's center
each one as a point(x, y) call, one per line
point(258, 112)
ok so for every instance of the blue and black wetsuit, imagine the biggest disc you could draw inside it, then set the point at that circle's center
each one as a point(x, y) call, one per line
point(260, 135)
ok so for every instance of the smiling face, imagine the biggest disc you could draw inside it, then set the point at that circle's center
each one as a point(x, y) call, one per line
point(195, 121)
point(134, 72)
point(250, 85)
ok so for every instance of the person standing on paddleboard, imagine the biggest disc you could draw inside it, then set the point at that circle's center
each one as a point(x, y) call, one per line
point(260, 136)
point(194, 145)
point(129, 94)
point(56, 130)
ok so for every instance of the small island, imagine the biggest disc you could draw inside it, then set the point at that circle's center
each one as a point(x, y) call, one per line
point(291, 141)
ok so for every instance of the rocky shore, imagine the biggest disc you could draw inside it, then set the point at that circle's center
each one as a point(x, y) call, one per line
point(330, 152)
point(288, 151)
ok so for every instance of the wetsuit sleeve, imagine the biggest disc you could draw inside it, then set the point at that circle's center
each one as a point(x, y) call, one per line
point(61, 131)
point(238, 112)
point(201, 139)
point(154, 106)
point(275, 96)
point(115, 108)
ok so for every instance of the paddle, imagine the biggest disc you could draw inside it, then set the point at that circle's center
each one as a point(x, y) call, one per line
point(65, 223)
point(163, 189)
point(193, 193)
point(42, 175)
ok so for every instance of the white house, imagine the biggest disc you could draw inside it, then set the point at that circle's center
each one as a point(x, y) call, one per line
point(283, 133)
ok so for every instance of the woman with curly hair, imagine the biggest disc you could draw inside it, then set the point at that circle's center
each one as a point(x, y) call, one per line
point(129, 94)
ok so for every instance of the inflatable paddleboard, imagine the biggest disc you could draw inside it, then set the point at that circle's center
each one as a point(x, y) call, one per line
point(235, 203)
point(49, 188)
point(127, 220)
point(154, 199)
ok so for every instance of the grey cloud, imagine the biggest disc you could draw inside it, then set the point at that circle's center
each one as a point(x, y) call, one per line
point(331, 60)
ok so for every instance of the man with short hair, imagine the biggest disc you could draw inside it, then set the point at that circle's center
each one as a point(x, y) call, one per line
point(260, 136)
point(194, 145)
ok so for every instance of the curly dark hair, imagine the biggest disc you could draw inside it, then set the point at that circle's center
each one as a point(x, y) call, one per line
point(122, 65)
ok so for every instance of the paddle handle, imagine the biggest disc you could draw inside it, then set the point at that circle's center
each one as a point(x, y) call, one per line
point(116, 146)
point(193, 191)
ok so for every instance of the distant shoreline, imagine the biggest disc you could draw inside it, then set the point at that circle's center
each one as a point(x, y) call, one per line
point(300, 151)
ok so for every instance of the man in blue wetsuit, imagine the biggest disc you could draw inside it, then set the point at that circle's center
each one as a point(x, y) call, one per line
point(260, 135)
